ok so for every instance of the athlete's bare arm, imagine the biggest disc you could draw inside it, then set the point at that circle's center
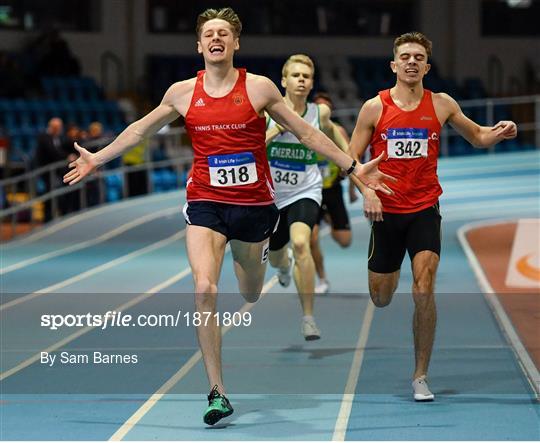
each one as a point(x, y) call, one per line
point(339, 136)
point(175, 102)
point(331, 129)
point(273, 132)
point(264, 95)
point(368, 117)
point(448, 109)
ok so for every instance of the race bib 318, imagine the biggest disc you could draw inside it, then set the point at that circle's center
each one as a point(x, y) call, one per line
point(232, 169)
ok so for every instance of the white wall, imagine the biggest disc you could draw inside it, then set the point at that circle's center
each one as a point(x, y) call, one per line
point(453, 25)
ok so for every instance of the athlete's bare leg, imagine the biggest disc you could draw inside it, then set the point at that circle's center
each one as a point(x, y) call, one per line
point(304, 267)
point(206, 249)
point(279, 258)
point(343, 237)
point(424, 268)
point(382, 287)
point(250, 266)
point(316, 252)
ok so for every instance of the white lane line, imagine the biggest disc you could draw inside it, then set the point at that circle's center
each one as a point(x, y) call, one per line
point(467, 216)
point(490, 183)
point(94, 271)
point(243, 346)
point(507, 169)
point(89, 214)
point(348, 396)
point(344, 414)
point(87, 243)
point(527, 365)
point(449, 207)
point(530, 202)
point(489, 191)
point(175, 278)
point(179, 375)
point(481, 161)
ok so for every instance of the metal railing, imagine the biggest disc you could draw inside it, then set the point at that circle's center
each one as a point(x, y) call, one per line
point(59, 199)
point(525, 111)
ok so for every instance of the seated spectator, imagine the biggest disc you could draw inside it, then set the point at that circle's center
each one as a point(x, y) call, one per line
point(74, 133)
point(53, 146)
point(95, 131)
point(94, 141)
point(137, 180)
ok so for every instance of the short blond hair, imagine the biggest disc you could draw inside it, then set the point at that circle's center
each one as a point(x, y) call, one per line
point(413, 37)
point(226, 14)
point(298, 58)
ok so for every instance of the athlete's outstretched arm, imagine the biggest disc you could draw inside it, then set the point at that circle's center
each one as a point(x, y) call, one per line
point(476, 135)
point(314, 139)
point(131, 136)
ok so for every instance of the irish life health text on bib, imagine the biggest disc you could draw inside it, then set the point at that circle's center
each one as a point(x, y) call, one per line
point(287, 174)
point(407, 143)
point(232, 169)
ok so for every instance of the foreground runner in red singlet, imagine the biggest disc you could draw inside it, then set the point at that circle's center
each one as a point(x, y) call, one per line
point(229, 193)
point(405, 122)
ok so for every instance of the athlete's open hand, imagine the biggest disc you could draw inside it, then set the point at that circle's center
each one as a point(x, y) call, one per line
point(369, 174)
point(80, 168)
point(505, 129)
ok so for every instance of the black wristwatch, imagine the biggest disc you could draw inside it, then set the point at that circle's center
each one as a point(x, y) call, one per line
point(351, 169)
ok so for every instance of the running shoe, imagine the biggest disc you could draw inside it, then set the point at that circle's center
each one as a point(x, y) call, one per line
point(310, 330)
point(421, 390)
point(284, 274)
point(218, 407)
point(322, 287)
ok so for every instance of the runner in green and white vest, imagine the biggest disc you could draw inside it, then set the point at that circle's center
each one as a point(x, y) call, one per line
point(298, 185)
point(294, 167)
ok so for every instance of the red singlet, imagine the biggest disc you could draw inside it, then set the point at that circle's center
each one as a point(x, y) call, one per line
point(411, 140)
point(228, 138)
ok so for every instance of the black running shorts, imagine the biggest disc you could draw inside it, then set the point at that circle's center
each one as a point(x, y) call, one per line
point(397, 233)
point(334, 206)
point(304, 210)
point(236, 222)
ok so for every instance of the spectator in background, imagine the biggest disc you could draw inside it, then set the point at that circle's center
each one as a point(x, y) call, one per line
point(53, 146)
point(74, 133)
point(95, 140)
point(137, 180)
point(95, 131)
